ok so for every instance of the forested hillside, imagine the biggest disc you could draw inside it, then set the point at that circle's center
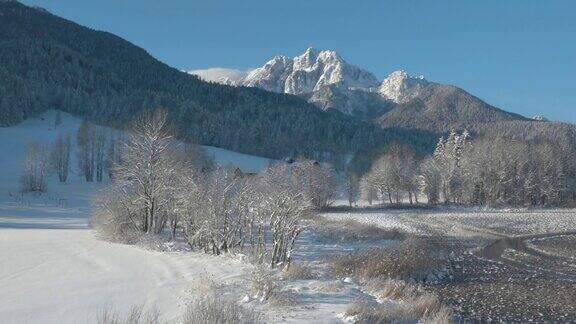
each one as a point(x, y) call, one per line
point(442, 108)
point(51, 63)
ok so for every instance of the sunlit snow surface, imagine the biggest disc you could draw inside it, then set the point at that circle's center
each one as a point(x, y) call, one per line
point(54, 270)
point(469, 221)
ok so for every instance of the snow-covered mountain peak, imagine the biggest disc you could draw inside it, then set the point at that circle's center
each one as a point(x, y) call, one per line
point(400, 87)
point(271, 76)
point(306, 60)
point(325, 79)
point(309, 72)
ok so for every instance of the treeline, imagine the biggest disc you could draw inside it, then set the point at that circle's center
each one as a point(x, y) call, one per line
point(485, 171)
point(158, 187)
point(90, 153)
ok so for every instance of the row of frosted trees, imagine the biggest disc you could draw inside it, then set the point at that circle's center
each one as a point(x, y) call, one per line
point(484, 171)
point(94, 148)
point(159, 188)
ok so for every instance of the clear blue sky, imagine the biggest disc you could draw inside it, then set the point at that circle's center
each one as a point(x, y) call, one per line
point(519, 55)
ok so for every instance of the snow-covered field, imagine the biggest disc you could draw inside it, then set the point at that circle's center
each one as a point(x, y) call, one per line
point(68, 276)
point(469, 222)
point(54, 270)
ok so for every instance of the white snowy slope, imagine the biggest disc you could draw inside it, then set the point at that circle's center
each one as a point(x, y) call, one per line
point(221, 75)
point(401, 87)
point(325, 79)
point(54, 270)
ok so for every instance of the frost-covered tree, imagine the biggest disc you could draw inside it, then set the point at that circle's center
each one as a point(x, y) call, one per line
point(283, 204)
point(430, 180)
point(149, 167)
point(317, 182)
point(141, 194)
point(448, 155)
point(393, 175)
point(498, 171)
point(216, 211)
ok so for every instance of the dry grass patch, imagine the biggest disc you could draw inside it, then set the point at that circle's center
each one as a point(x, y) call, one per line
point(213, 309)
point(267, 289)
point(351, 231)
point(326, 286)
point(391, 289)
point(264, 283)
point(408, 260)
point(299, 271)
point(136, 315)
point(408, 304)
point(283, 298)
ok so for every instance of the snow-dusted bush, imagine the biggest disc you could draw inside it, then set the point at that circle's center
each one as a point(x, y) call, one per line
point(283, 298)
point(213, 309)
point(212, 304)
point(267, 288)
point(383, 288)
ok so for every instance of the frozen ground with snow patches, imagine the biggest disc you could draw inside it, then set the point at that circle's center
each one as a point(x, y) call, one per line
point(469, 221)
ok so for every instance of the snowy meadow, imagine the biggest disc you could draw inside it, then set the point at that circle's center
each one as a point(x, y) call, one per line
point(200, 229)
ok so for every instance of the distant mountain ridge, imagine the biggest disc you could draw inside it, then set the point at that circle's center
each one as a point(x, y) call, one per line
point(48, 62)
point(51, 63)
point(326, 80)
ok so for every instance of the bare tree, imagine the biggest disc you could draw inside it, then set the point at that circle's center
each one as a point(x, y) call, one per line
point(86, 151)
point(352, 188)
point(368, 190)
point(60, 156)
point(99, 144)
point(36, 167)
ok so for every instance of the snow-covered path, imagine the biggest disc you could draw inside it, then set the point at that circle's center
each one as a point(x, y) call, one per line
point(68, 276)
